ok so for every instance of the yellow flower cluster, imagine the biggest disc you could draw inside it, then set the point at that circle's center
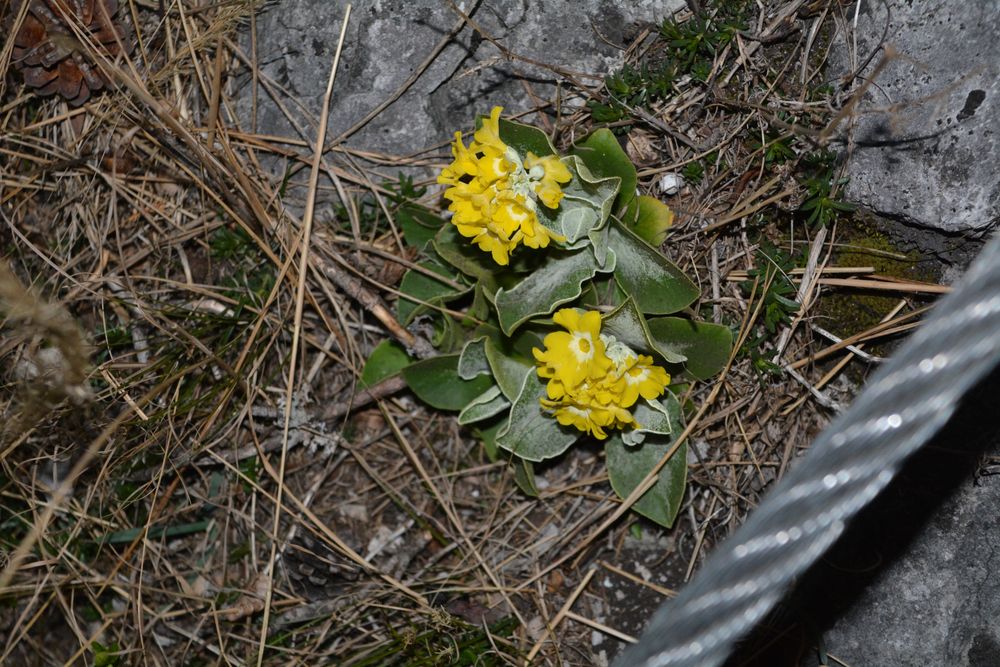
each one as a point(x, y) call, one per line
point(594, 379)
point(494, 192)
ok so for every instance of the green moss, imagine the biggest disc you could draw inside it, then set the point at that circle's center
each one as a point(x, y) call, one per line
point(848, 311)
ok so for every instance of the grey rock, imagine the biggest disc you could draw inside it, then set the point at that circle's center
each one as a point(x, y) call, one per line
point(386, 42)
point(914, 581)
point(928, 128)
point(940, 604)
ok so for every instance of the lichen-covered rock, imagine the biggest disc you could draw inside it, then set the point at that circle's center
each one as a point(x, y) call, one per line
point(928, 128)
point(388, 40)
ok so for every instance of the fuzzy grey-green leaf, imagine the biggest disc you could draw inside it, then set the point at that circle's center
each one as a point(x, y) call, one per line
point(656, 284)
point(488, 404)
point(628, 466)
point(628, 325)
point(530, 433)
point(652, 417)
point(472, 361)
point(557, 281)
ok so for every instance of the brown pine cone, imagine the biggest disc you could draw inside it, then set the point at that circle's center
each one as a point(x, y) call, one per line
point(49, 53)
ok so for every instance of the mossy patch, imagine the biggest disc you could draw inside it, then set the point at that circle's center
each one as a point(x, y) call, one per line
point(847, 311)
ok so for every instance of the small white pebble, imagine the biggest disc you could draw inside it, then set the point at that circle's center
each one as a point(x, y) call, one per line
point(671, 184)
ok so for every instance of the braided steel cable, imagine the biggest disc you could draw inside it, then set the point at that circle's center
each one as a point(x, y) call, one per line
point(904, 404)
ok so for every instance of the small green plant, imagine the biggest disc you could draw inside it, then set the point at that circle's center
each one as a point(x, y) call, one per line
point(776, 147)
point(820, 206)
point(105, 656)
point(690, 50)
point(569, 325)
point(633, 87)
point(695, 43)
point(403, 190)
point(693, 172)
point(770, 282)
point(772, 273)
point(231, 243)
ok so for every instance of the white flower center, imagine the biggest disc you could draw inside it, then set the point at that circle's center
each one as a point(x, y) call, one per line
point(582, 347)
point(618, 352)
point(523, 182)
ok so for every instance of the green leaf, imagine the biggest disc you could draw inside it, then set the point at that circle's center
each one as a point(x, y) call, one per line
point(105, 656)
point(488, 404)
point(424, 288)
point(656, 284)
point(653, 219)
point(156, 532)
point(481, 307)
point(602, 293)
point(524, 476)
point(628, 325)
point(387, 359)
point(472, 361)
point(487, 435)
point(508, 369)
point(523, 138)
point(555, 282)
point(436, 382)
point(418, 225)
point(530, 433)
point(652, 417)
point(458, 251)
point(602, 153)
point(586, 203)
point(629, 465)
point(707, 346)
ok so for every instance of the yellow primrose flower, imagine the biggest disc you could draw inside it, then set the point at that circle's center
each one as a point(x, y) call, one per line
point(593, 378)
point(591, 419)
point(643, 379)
point(550, 172)
point(494, 192)
point(574, 355)
point(637, 374)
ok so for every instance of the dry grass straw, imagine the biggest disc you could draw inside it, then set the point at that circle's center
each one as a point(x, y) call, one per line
point(201, 480)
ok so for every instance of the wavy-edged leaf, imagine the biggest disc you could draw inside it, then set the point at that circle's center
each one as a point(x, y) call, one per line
point(604, 156)
point(508, 370)
point(653, 418)
point(472, 361)
point(628, 325)
point(656, 284)
point(557, 281)
point(488, 404)
point(523, 138)
point(706, 346)
point(629, 465)
point(586, 203)
point(387, 359)
point(436, 382)
point(530, 433)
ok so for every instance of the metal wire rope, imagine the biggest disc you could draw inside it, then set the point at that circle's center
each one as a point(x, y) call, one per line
point(904, 404)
